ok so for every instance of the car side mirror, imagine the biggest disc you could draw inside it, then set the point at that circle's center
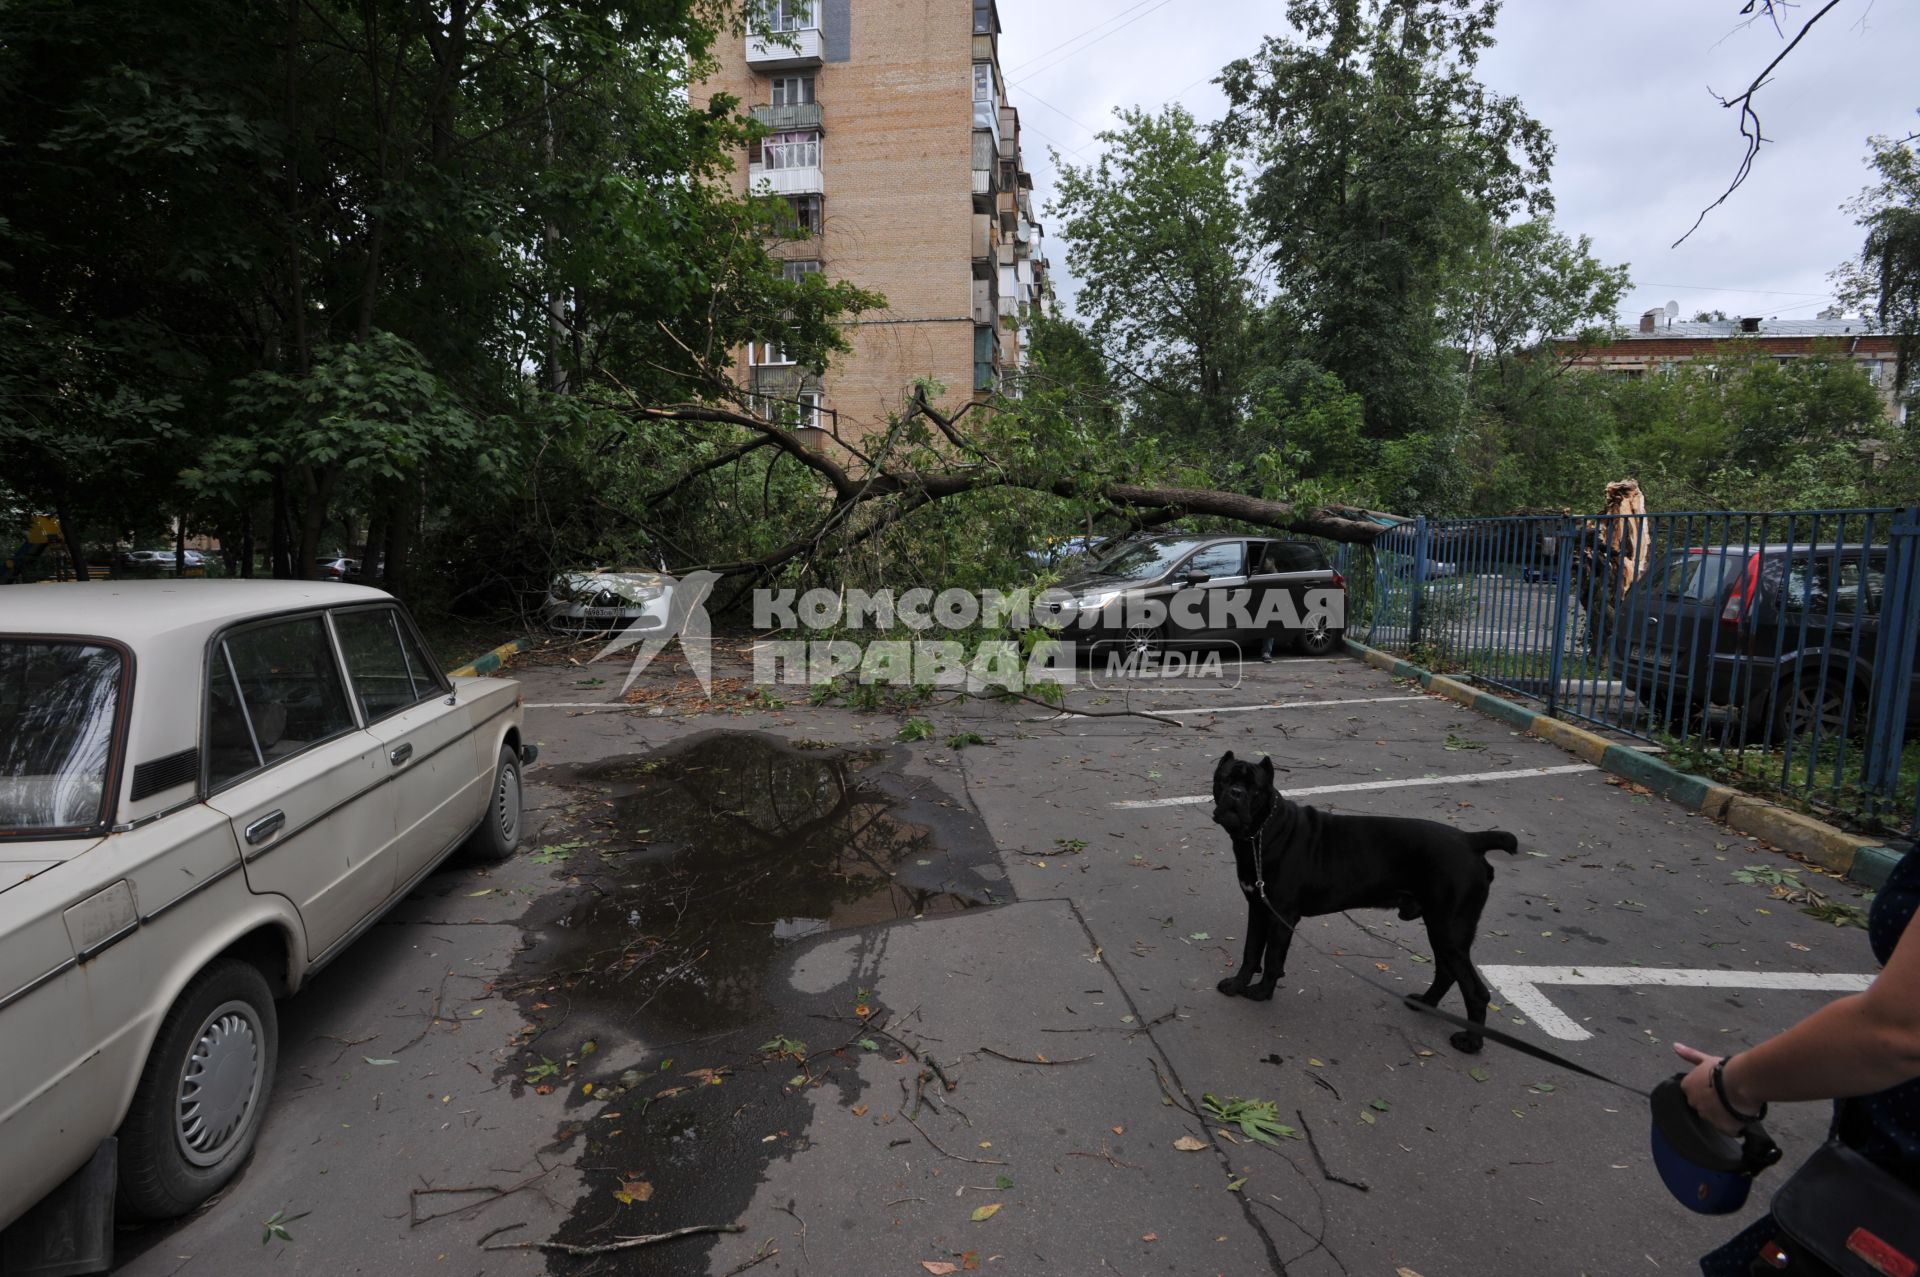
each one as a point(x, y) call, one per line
point(1199, 578)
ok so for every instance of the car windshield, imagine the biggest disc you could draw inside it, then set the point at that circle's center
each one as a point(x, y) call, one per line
point(58, 703)
point(1696, 574)
point(1140, 560)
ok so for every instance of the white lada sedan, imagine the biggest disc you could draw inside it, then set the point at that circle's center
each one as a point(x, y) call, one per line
point(208, 789)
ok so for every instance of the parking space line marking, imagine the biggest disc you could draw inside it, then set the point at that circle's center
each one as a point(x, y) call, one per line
point(579, 705)
point(1521, 773)
point(1245, 709)
point(1520, 986)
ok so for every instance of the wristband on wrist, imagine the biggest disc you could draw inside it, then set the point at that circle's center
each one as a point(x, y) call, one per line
point(1720, 1093)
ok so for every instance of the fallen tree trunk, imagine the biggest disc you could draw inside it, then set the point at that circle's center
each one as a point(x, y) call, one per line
point(886, 491)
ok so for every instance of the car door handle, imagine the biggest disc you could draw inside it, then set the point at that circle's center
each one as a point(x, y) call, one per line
point(399, 754)
point(266, 827)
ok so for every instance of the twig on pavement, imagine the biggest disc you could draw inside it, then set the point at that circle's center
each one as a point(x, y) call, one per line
point(624, 1243)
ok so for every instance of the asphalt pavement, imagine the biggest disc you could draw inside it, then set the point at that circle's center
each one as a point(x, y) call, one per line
point(883, 1007)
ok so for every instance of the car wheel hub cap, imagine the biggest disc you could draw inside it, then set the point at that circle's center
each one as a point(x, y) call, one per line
point(219, 1084)
point(506, 803)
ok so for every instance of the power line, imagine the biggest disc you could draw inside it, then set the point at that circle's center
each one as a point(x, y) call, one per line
point(1070, 39)
point(1710, 288)
point(1097, 39)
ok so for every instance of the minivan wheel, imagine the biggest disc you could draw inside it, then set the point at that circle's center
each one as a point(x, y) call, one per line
point(197, 1110)
point(499, 831)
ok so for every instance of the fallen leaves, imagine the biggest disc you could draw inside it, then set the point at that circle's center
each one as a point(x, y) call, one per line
point(1189, 1144)
point(981, 1214)
point(633, 1190)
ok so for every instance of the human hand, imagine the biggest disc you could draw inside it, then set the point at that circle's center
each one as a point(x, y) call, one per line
point(1698, 1087)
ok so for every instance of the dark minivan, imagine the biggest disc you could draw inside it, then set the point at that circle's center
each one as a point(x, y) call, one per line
point(1191, 578)
point(1785, 637)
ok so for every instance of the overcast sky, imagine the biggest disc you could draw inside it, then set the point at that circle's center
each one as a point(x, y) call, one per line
point(1640, 145)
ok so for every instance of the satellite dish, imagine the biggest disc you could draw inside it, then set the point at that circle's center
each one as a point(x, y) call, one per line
point(1673, 310)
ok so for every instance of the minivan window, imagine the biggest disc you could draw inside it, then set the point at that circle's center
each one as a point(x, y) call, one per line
point(58, 708)
point(1817, 585)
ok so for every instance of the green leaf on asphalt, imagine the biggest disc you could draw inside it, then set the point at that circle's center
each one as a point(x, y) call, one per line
point(1233, 1185)
point(1543, 1086)
point(1366, 1117)
point(1379, 1106)
point(370, 1060)
point(868, 1044)
point(1001, 1181)
point(982, 1213)
point(1477, 1074)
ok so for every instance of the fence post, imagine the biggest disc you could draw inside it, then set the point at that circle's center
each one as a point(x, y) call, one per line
point(1417, 606)
point(1562, 594)
point(1893, 658)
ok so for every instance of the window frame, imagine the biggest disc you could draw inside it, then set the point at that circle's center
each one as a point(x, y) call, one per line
point(217, 649)
point(796, 149)
point(809, 97)
point(395, 618)
point(116, 753)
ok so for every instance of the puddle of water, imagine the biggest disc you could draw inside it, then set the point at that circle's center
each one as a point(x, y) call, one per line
point(710, 857)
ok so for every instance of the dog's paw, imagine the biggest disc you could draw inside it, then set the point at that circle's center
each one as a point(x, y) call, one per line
point(1233, 986)
point(1261, 992)
point(1468, 1043)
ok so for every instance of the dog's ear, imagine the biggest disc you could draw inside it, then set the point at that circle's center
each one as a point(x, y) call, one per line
point(1225, 765)
point(1266, 769)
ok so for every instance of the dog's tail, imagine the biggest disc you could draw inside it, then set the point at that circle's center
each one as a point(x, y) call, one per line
point(1493, 840)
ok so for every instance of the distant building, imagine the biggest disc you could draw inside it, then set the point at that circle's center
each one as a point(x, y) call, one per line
point(893, 144)
point(1659, 343)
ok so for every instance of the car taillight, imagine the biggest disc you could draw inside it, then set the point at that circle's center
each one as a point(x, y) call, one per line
point(1734, 610)
point(1339, 582)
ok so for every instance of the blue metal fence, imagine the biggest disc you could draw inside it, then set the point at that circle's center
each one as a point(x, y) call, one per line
point(1782, 646)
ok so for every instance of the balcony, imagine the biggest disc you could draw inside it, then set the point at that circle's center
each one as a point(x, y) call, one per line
point(802, 48)
point(987, 120)
point(986, 301)
point(795, 180)
point(785, 119)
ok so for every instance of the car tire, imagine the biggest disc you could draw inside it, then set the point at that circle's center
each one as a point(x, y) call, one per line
point(1795, 707)
point(1319, 640)
point(499, 831)
point(202, 1094)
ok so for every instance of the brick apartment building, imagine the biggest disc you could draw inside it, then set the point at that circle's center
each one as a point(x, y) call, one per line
point(1658, 343)
point(892, 141)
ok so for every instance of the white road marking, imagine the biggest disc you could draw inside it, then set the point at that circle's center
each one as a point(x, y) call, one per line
point(1246, 709)
point(580, 705)
point(1520, 987)
point(1522, 773)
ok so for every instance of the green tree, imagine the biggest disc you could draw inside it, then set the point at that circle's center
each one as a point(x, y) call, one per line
point(1156, 233)
point(1379, 161)
point(1885, 281)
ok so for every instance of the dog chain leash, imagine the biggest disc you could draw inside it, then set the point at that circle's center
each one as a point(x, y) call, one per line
point(1498, 1035)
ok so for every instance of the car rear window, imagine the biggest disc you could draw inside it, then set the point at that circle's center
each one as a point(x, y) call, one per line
point(1697, 574)
point(59, 703)
point(275, 691)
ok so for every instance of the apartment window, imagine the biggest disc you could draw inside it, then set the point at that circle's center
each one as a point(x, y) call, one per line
point(983, 19)
point(790, 151)
point(793, 90)
point(1873, 371)
point(796, 271)
point(802, 411)
point(983, 82)
point(804, 214)
point(790, 15)
point(768, 354)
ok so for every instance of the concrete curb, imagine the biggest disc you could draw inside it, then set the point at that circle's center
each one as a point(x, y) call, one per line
point(1862, 859)
point(488, 662)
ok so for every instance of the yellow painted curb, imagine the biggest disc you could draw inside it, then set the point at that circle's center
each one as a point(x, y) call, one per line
point(1584, 745)
point(1815, 839)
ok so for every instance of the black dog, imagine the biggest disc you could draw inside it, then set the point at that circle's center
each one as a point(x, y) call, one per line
point(1314, 863)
